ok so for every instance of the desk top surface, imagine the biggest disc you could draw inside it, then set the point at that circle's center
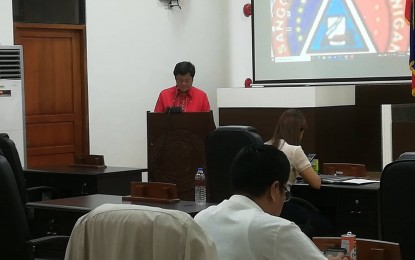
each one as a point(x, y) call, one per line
point(66, 169)
point(89, 202)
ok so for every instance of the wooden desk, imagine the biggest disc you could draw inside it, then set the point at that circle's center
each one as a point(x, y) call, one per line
point(59, 216)
point(352, 208)
point(76, 181)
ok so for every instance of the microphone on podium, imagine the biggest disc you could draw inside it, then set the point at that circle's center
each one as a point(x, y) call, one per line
point(173, 110)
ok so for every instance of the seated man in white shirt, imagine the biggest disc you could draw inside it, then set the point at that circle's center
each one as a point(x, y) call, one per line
point(248, 226)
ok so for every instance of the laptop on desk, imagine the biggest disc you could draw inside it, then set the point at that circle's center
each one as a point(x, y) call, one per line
point(334, 179)
point(345, 180)
point(311, 156)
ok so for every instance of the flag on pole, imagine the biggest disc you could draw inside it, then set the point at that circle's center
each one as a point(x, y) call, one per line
point(409, 15)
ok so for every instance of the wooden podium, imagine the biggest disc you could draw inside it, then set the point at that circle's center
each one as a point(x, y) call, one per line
point(176, 148)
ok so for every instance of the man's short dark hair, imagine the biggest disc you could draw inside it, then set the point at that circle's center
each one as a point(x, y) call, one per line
point(256, 167)
point(183, 68)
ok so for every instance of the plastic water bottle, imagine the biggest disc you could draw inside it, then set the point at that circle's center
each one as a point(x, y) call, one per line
point(200, 187)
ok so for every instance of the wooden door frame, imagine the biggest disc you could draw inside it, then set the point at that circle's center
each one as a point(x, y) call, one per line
point(83, 69)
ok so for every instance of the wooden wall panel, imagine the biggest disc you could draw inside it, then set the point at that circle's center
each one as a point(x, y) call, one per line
point(369, 99)
point(403, 136)
point(337, 134)
point(324, 126)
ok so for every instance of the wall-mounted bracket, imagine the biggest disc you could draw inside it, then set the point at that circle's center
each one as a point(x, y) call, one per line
point(171, 3)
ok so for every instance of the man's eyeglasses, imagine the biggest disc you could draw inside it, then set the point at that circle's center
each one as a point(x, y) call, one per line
point(287, 194)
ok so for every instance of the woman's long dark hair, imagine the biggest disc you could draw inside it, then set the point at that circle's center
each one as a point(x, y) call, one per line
point(289, 127)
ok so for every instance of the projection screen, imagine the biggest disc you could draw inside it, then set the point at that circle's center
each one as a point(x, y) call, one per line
point(329, 41)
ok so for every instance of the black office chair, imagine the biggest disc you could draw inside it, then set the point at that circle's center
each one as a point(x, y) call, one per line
point(15, 242)
point(312, 211)
point(221, 146)
point(397, 211)
point(9, 151)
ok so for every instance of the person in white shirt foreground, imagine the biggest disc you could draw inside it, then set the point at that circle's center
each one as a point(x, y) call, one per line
point(248, 226)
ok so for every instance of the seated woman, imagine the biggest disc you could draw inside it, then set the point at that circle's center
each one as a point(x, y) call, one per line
point(287, 137)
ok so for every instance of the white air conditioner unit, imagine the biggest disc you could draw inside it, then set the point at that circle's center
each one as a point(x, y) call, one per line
point(12, 113)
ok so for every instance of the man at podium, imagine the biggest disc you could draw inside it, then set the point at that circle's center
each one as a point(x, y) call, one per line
point(184, 95)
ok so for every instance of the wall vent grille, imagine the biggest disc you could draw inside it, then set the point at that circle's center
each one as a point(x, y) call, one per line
point(10, 62)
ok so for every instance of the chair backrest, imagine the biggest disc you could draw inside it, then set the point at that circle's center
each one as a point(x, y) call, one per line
point(346, 169)
point(13, 223)
point(221, 147)
point(9, 151)
point(366, 248)
point(397, 211)
point(407, 156)
point(123, 231)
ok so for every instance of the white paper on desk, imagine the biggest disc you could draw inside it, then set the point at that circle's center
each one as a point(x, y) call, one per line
point(359, 181)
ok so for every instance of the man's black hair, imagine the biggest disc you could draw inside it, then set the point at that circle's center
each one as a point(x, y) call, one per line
point(256, 167)
point(183, 68)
